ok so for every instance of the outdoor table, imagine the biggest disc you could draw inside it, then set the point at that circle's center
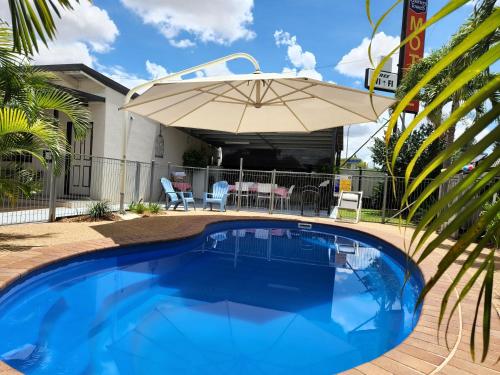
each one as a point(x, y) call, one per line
point(280, 191)
point(182, 186)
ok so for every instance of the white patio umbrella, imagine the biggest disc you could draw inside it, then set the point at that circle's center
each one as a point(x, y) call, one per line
point(257, 103)
point(248, 103)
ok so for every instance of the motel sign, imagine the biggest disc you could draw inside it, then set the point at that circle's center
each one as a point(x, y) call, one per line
point(414, 16)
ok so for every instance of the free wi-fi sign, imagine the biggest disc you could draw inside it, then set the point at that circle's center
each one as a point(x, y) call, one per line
point(386, 81)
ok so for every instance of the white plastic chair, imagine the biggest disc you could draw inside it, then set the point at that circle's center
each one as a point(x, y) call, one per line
point(350, 201)
point(245, 190)
point(264, 191)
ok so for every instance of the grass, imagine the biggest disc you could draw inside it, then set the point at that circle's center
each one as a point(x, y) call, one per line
point(374, 216)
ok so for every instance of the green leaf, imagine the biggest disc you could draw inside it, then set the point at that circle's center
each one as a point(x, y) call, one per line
point(377, 25)
point(465, 158)
point(472, 233)
point(474, 322)
point(456, 190)
point(473, 102)
point(30, 26)
point(484, 29)
point(463, 205)
point(468, 286)
point(488, 294)
point(456, 250)
point(449, 8)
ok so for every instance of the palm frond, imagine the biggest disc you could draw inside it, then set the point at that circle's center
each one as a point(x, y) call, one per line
point(33, 21)
point(458, 73)
point(55, 98)
point(18, 136)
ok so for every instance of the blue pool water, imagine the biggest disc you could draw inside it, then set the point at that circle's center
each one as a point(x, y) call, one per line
point(249, 297)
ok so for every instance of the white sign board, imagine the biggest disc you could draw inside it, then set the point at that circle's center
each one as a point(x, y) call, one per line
point(386, 81)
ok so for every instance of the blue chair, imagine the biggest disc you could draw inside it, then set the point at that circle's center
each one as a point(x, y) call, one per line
point(219, 195)
point(175, 198)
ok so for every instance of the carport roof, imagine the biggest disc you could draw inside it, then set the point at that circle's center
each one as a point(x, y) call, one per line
point(319, 140)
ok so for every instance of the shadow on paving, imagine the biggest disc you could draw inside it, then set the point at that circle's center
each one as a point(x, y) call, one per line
point(12, 237)
point(161, 228)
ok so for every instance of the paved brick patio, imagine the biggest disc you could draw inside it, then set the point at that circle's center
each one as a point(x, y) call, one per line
point(24, 248)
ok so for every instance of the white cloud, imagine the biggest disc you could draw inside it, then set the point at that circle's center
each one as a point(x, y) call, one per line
point(217, 21)
point(121, 75)
point(130, 80)
point(303, 62)
point(155, 70)
point(183, 43)
point(354, 63)
point(220, 69)
point(81, 32)
point(65, 53)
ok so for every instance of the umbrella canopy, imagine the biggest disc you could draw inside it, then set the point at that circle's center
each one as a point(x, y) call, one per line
point(257, 103)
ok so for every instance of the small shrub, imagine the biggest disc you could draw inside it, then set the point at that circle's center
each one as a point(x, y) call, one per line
point(137, 207)
point(140, 208)
point(154, 208)
point(99, 210)
point(132, 206)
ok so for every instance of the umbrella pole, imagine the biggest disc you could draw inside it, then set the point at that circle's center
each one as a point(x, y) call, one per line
point(149, 84)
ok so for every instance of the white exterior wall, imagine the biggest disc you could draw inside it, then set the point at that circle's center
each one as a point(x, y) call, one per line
point(107, 143)
point(177, 142)
point(142, 135)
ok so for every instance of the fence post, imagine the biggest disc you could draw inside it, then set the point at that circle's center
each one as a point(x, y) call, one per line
point(207, 175)
point(52, 192)
point(151, 180)
point(384, 199)
point(123, 184)
point(360, 180)
point(240, 180)
point(273, 182)
point(137, 181)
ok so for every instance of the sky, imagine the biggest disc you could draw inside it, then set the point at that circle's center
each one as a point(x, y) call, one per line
point(135, 40)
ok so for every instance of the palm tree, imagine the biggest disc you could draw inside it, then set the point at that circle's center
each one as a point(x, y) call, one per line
point(459, 74)
point(28, 99)
point(35, 19)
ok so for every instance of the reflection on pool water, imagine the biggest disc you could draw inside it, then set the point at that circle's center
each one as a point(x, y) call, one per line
point(244, 298)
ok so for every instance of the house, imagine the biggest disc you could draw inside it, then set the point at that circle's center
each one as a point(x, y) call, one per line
point(93, 170)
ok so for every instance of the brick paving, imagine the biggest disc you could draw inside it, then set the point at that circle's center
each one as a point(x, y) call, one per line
point(24, 248)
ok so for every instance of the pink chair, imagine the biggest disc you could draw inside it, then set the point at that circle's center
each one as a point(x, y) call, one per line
point(284, 197)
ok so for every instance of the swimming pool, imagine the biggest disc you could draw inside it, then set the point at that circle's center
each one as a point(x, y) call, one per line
point(246, 297)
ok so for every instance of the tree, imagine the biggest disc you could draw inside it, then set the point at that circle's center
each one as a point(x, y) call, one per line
point(471, 88)
point(354, 162)
point(28, 99)
point(35, 19)
point(380, 150)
